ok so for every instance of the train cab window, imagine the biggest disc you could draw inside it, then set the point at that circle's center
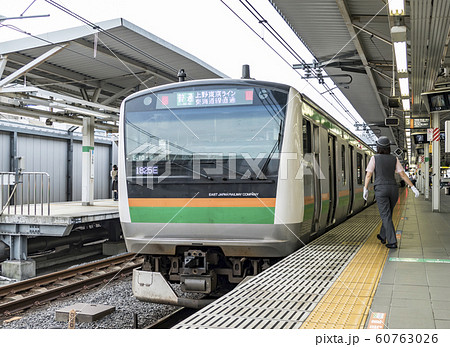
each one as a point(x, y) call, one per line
point(307, 148)
point(359, 168)
point(343, 163)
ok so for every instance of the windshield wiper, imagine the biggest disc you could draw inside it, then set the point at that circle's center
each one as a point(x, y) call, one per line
point(262, 173)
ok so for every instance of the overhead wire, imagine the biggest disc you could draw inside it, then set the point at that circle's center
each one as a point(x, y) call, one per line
point(329, 90)
point(291, 50)
point(111, 35)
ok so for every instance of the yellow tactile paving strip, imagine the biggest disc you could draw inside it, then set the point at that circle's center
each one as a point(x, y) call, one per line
point(347, 303)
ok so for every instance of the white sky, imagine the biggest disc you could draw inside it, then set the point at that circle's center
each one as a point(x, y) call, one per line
point(205, 28)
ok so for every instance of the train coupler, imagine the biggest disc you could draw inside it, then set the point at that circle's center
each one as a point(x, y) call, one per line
point(153, 287)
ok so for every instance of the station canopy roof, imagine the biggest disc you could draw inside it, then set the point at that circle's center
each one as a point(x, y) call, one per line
point(354, 38)
point(88, 71)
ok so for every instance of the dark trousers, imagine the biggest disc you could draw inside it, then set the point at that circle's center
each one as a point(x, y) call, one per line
point(114, 190)
point(387, 196)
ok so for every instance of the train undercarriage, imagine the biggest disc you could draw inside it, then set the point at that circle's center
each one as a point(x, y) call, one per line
point(203, 271)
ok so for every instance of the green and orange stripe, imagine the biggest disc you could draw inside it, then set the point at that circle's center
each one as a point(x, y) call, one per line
point(203, 210)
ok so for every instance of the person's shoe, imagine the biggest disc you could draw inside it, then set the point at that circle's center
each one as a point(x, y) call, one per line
point(383, 241)
point(391, 245)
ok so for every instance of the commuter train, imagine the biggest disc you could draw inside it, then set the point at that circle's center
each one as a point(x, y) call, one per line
point(219, 179)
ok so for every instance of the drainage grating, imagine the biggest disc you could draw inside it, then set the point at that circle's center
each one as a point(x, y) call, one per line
point(283, 296)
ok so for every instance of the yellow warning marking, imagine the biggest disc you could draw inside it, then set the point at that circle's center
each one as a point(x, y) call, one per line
point(346, 304)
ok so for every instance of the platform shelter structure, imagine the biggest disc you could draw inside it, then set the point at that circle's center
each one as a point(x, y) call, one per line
point(79, 76)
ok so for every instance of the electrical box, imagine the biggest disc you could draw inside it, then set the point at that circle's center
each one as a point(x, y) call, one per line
point(394, 102)
point(391, 122)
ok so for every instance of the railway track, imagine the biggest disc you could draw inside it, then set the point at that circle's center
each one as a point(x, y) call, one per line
point(39, 290)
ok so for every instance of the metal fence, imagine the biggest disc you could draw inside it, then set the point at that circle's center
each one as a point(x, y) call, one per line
point(27, 193)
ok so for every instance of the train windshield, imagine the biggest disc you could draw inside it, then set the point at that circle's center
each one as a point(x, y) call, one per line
point(183, 131)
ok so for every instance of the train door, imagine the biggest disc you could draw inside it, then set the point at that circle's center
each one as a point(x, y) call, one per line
point(316, 181)
point(308, 225)
point(332, 179)
point(322, 177)
point(366, 162)
point(351, 181)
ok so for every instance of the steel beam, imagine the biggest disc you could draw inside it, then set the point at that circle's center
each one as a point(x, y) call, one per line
point(348, 22)
point(124, 92)
point(31, 65)
point(3, 60)
point(378, 36)
point(129, 61)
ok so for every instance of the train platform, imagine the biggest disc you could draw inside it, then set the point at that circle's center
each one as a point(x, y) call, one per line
point(346, 279)
point(19, 224)
point(56, 219)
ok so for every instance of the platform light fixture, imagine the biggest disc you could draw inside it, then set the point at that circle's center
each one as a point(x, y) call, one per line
point(404, 86)
point(398, 34)
point(406, 105)
point(397, 7)
point(401, 59)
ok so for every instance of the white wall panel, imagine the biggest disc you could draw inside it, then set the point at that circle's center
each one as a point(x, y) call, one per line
point(44, 154)
point(50, 154)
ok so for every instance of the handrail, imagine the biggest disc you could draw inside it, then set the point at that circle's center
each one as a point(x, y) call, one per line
point(15, 184)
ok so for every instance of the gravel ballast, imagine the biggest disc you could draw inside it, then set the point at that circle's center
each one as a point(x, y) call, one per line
point(117, 293)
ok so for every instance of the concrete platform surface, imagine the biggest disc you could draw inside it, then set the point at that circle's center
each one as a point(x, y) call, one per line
point(63, 216)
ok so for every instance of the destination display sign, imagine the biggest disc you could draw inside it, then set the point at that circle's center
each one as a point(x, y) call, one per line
point(205, 98)
point(421, 123)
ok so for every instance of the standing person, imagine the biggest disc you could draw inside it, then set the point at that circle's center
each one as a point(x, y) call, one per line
point(115, 182)
point(385, 166)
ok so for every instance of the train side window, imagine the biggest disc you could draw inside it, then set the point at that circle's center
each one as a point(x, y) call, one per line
point(306, 137)
point(359, 168)
point(343, 163)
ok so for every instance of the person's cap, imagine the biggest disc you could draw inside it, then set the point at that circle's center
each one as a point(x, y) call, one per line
point(383, 141)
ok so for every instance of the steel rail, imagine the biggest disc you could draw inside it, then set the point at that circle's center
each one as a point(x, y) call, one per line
point(65, 289)
point(37, 282)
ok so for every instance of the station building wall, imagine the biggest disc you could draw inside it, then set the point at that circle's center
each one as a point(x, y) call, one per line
point(45, 151)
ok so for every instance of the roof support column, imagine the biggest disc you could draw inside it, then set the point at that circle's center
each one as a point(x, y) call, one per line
point(87, 162)
point(427, 171)
point(436, 189)
point(3, 60)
